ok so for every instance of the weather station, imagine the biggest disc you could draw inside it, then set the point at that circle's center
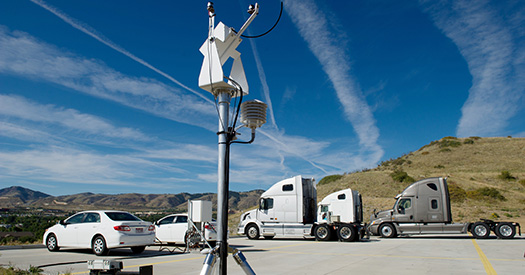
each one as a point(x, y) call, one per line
point(218, 48)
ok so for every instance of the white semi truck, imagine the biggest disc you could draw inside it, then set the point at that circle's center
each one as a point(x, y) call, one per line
point(288, 209)
point(424, 208)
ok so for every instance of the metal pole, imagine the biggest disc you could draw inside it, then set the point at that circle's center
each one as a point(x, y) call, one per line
point(224, 98)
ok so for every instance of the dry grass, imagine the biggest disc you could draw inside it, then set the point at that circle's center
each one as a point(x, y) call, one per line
point(471, 163)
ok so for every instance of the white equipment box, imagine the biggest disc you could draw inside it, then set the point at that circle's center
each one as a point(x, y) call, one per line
point(200, 211)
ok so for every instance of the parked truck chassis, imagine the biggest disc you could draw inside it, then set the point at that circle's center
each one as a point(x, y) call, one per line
point(424, 208)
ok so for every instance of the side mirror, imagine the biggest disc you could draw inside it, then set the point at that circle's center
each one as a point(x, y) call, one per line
point(62, 222)
point(157, 223)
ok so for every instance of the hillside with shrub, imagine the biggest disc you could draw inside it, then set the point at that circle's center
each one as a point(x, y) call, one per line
point(486, 177)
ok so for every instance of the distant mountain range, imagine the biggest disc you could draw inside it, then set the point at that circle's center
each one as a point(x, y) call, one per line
point(16, 196)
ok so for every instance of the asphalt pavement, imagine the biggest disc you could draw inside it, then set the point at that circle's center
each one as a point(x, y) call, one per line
point(450, 254)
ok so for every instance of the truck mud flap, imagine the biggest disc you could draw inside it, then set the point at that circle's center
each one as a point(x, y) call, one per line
point(364, 232)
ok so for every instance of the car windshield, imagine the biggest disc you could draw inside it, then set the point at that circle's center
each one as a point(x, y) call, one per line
point(121, 216)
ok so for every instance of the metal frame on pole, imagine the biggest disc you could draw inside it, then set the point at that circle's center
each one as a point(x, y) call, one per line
point(224, 98)
point(221, 45)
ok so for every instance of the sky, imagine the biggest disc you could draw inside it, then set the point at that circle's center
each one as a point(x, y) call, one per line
point(103, 96)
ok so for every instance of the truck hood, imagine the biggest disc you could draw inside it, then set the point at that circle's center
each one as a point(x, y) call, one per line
point(381, 215)
point(248, 215)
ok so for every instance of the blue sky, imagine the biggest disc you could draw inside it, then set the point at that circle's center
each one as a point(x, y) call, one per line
point(102, 96)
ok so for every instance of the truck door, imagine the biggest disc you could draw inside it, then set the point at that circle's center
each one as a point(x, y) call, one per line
point(404, 215)
point(266, 210)
point(404, 210)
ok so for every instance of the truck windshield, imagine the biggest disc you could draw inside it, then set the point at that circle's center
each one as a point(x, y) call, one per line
point(266, 204)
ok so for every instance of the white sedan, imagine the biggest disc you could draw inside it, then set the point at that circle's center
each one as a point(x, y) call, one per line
point(174, 229)
point(100, 231)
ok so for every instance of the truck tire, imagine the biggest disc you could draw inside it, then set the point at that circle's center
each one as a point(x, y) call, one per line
point(347, 233)
point(505, 230)
point(252, 232)
point(387, 230)
point(322, 232)
point(480, 230)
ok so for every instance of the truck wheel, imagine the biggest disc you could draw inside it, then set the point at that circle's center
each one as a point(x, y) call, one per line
point(480, 230)
point(387, 230)
point(252, 232)
point(505, 230)
point(347, 233)
point(323, 232)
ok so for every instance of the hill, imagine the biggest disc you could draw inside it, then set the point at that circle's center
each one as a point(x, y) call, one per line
point(486, 177)
point(16, 195)
point(22, 197)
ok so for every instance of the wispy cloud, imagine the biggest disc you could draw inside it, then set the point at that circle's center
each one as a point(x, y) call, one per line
point(98, 36)
point(67, 165)
point(23, 55)
point(329, 48)
point(21, 108)
point(492, 45)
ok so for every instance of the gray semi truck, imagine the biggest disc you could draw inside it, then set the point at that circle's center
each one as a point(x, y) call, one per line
point(424, 208)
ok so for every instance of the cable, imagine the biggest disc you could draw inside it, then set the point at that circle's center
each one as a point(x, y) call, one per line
point(239, 88)
point(261, 35)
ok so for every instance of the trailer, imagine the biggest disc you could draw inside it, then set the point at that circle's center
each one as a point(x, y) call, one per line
point(424, 208)
point(288, 209)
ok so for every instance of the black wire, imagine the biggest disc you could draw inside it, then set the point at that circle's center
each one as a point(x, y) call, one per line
point(239, 87)
point(261, 35)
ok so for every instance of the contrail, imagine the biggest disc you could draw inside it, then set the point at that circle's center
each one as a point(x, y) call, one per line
point(284, 145)
point(490, 39)
point(313, 26)
point(264, 83)
point(93, 33)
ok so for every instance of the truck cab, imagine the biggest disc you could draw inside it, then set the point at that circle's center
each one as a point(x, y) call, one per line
point(424, 208)
point(421, 208)
point(287, 208)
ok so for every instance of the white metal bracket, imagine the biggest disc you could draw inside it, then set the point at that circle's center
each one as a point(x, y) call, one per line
point(220, 45)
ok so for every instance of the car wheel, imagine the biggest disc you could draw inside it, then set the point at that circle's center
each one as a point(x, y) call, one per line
point(52, 243)
point(387, 230)
point(323, 232)
point(480, 230)
point(99, 246)
point(505, 230)
point(138, 249)
point(347, 233)
point(252, 232)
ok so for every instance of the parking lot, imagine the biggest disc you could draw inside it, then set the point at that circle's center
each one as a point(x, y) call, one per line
point(451, 254)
